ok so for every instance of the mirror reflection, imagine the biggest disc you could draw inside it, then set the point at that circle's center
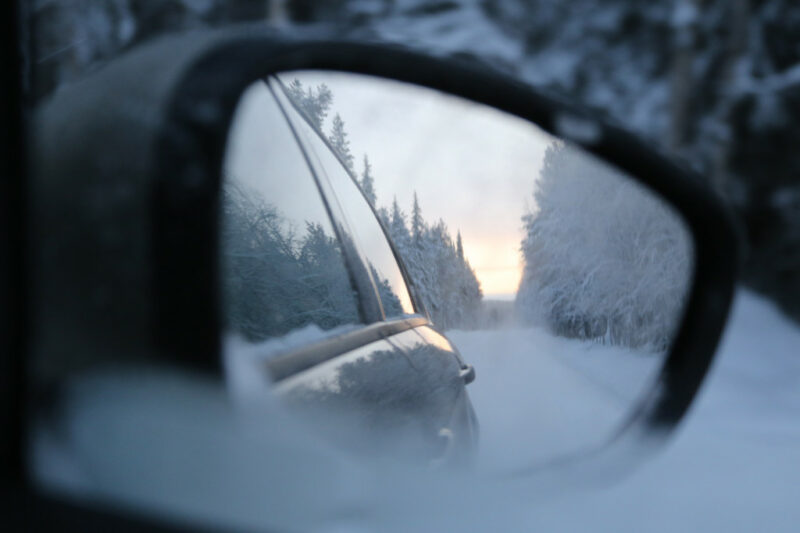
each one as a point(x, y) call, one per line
point(383, 243)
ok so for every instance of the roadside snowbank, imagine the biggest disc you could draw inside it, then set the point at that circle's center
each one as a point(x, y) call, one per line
point(735, 464)
point(540, 397)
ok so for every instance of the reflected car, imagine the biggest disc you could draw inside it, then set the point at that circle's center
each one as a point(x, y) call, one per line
point(315, 291)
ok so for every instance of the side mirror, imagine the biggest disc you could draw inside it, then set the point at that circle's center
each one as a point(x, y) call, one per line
point(569, 294)
point(197, 205)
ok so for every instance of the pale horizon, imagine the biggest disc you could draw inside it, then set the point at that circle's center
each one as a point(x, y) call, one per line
point(471, 165)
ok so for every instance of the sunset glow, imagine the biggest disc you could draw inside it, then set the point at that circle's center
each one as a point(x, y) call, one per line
point(496, 262)
point(471, 166)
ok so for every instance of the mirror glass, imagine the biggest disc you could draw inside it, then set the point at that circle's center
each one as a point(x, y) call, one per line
point(285, 268)
point(480, 244)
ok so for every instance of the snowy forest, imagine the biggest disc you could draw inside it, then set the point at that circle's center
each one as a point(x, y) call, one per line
point(439, 270)
point(275, 280)
point(713, 82)
point(441, 275)
point(603, 259)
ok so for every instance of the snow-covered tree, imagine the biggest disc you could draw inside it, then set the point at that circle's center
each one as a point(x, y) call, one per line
point(397, 226)
point(340, 142)
point(444, 280)
point(440, 272)
point(296, 91)
point(417, 223)
point(603, 258)
point(318, 103)
point(368, 182)
point(275, 281)
point(383, 215)
point(314, 102)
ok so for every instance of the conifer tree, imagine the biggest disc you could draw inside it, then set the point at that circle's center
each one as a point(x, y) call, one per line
point(314, 102)
point(317, 104)
point(445, 282)
point(397, 225)
point(383, 215)
point(368, 183)
point(340, 143)
point(296, 92)
point(417, 223)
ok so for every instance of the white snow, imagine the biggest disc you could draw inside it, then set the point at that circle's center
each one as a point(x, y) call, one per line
point(170, 443)
point(244, 360)
point(735, 464)
point(539, 398)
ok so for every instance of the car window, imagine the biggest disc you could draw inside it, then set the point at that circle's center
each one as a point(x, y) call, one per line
point(282, 265)
point(362, 224)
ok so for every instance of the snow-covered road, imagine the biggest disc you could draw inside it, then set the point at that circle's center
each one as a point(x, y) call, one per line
point(540, 397)
point(734, 464)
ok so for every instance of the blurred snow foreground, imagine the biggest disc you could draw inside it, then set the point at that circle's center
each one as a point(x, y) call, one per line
point(175, 444)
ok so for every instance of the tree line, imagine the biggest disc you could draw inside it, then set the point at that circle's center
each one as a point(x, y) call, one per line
point(277, 279)
point(604, 259)
point(440, 273)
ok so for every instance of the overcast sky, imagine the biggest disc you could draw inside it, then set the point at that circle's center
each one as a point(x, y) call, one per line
point(471, 165)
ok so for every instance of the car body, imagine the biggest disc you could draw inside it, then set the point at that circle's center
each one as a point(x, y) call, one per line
point(359, 344)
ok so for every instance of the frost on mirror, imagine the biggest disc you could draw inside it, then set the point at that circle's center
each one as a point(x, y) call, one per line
point(560, 279)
